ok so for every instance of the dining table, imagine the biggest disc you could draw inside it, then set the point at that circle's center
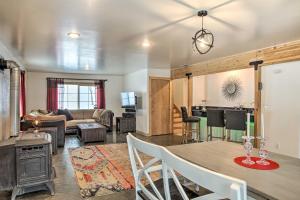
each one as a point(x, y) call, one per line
point(282, 183)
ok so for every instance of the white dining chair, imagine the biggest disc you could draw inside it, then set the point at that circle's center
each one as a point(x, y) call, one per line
point(220, 185)
point(141, 170)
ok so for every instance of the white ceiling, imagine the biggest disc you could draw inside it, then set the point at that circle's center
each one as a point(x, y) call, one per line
point(112, 31)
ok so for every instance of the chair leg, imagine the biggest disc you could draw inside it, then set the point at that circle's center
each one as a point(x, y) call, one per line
point(137, 196)
point(207, 133)
point(198, 136)
point(187, 132)
point(199, 130)
point(183, 132)
point(210, 133)
point(229, 135)
point(223, 134)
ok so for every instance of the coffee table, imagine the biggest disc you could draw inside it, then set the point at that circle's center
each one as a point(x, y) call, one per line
point(91, 132)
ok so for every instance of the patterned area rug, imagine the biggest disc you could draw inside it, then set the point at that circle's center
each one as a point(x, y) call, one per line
point(102, 169)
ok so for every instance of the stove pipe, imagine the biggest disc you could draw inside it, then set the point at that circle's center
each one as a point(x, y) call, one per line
point(14, 97)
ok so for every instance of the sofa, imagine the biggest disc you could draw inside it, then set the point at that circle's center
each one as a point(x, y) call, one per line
point(105, 118)
point(64, 124)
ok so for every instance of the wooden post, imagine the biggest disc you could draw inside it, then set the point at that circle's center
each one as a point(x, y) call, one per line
point(257, 99)
point(171, 107)
point(190, 94)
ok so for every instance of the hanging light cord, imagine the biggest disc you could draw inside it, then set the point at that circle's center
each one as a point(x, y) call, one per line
point(202, 22)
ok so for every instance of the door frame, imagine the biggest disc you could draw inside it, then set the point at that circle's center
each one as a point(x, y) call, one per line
point(149, 101)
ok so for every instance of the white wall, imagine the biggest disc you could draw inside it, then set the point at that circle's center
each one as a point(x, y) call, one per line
point(138, 82)
point(36, 94)
point(281, 107)
point(199, 89)
point(209, 87)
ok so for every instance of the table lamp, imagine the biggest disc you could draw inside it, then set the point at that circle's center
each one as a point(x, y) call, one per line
point(35, 124)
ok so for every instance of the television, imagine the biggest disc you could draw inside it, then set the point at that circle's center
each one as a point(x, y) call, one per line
point(128, 99)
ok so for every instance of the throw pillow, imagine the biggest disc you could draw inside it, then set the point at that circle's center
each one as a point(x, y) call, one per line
point(97, 113)
point(69, 115)
point(51, 114)
point(105, 112)
point(65, 112)
point(35, 113)
point(44, 112)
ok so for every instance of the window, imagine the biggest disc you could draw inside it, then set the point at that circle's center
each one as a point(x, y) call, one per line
point(76, 96)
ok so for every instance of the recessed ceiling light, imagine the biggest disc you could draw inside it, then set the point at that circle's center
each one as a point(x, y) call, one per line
point(73, 35)
point(146, 43)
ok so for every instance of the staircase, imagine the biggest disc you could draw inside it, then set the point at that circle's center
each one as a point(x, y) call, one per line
point(177, 121)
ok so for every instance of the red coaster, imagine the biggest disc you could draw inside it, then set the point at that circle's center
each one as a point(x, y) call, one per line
point(273, 165)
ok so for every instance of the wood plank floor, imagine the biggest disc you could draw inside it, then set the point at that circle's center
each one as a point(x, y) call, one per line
point(65, 182)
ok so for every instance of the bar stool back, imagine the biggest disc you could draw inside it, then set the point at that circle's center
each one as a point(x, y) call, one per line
point(187, 129)
point(235, 120)
point(215, 118)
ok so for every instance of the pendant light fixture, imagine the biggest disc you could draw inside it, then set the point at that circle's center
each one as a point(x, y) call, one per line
point(203, 40)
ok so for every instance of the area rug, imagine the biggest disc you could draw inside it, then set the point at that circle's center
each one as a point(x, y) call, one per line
point(103, 169)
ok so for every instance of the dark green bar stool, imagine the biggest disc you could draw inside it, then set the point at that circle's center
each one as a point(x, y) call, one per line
point(215, 118)
point(187, 128)
point(235, 120)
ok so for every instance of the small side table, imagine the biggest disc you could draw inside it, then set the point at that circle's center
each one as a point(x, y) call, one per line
point(33, 164)
point(125, 124)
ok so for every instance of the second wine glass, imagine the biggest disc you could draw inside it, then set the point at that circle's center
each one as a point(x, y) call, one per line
point(248, 148)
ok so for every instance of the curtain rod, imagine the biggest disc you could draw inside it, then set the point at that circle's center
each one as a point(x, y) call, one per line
point(81, 79)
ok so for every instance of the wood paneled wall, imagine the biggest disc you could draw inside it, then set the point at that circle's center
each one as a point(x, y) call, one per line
point(276, 54)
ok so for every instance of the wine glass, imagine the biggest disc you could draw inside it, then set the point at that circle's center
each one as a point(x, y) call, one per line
point(248, 148)
point(263, 152)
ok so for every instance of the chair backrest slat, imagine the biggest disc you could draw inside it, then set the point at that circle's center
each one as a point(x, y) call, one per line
point(140, 169)
point(218, 183)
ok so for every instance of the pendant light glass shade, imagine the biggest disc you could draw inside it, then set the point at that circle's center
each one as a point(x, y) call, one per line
point(203, 40)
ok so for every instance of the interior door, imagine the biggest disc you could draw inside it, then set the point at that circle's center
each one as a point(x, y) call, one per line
point(160, 116)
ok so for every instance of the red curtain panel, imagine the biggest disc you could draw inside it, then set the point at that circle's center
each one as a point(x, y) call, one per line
point(22, 95)
point(100, 93)
point(52, 93)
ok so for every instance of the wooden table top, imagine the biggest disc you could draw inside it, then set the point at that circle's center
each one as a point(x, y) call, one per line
point(27, 139)
point(90, 126)
point(282, 183)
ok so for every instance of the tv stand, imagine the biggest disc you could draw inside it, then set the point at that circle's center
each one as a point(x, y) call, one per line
point(126, 124)
point(130, 110)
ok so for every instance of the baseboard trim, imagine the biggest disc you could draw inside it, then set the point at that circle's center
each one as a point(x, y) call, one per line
point(143, 133)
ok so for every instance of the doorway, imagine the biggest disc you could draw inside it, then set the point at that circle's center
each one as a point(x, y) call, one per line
point(159, 106)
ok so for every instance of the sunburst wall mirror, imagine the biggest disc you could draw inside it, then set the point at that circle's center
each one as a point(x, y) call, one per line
point(232, 89)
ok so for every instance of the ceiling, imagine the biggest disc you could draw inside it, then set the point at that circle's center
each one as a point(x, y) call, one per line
point(112, 31)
